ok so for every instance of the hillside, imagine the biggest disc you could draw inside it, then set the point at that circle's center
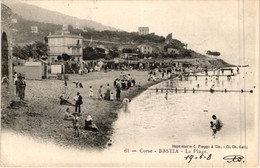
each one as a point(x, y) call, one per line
point(21, 30)
point(34, 13)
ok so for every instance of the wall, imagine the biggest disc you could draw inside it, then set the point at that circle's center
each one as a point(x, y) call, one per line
point(30, 72)
point(59, 45)
point(55, 69)
point(145, 49)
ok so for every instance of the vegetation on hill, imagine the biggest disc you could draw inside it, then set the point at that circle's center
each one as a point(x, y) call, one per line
point(35, 13)
point(214, 53)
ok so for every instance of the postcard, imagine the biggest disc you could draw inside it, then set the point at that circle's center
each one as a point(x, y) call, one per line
point(129, 83)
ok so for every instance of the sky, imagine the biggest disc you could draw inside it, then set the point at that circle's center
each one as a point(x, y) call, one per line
point(222, 26)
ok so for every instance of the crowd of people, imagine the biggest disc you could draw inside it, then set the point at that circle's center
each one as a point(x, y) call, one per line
point(124, 81)
point(106, 94)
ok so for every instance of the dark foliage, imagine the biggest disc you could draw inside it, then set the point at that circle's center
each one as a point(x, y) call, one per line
point(35, 50)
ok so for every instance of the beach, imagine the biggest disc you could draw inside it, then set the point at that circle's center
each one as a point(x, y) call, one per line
point(42, 117)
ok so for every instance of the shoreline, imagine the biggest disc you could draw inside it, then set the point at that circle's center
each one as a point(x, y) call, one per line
point(43, 118)
point(43, 122)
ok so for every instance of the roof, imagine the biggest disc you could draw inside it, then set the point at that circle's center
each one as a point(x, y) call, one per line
point(33, 64)
point(144, 45)
point(45, 62)
point(62, 34)
point(56, 63)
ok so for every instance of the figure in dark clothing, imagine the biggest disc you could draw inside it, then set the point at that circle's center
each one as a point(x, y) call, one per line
point(77, 83)
point(123, 85)
point(216, 124)
point(65, 102)
point(22, 86)
point(19, 76)
point(133, 81)
point(79, 101)
point(89, 125)
point(66, 78)
point(118, 93)
point(80, 85)
point(206, 71)
point(128, 84)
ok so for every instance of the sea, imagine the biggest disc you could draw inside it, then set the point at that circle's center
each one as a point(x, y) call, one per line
point(154, 122)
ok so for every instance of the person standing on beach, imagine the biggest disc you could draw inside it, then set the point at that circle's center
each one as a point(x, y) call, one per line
point(216, 124)
point(75, 122)
point(107, 95)
point(118, 92)
point(22, 86)
point(112, 96)
point(91, 92)
point(17, 86)
point(100, 96)
point(79, 101)
point(15, 77)
point(125, 102)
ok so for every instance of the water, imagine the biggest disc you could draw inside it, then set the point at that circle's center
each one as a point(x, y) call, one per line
point(154, 122)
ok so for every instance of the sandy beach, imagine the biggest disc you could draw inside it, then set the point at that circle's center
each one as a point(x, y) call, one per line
point(43, 116)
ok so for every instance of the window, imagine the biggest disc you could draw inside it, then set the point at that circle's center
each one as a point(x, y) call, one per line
point(77, 42)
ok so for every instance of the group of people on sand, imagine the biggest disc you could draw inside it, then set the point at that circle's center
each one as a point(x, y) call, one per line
point(78, 101)
point(108, 95)
point(75, 118)
point(19, 82)
point(20, 85)
point(124, 81)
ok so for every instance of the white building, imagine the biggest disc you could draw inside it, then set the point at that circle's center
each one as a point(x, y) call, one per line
point(65, 43)
point(34, 29)
point(145, 49)
point(143, 30)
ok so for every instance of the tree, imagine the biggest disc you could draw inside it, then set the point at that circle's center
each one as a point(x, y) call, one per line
point(35, 50)
point(65, 57)
point(41, 49)
point(214, 53)
point(59, 57)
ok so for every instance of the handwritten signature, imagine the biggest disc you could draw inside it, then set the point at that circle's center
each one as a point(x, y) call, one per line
point(234, 158)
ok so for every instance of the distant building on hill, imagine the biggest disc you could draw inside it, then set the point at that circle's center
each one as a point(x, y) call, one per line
point(65, 27)
point(168, 38)
point(62, 42)
point(143, 30)
point(34, 29)
point(145, 49)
